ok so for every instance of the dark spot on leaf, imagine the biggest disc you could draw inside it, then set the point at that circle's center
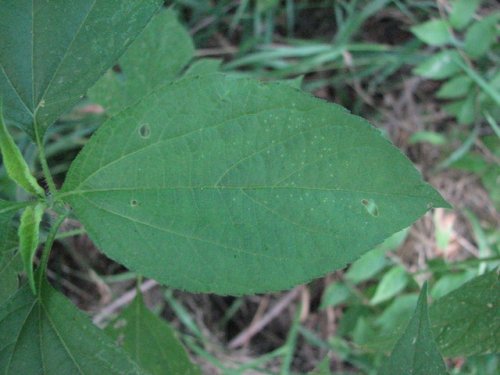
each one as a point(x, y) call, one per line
point(370, 206)
point(145, 131)
point(134, 203)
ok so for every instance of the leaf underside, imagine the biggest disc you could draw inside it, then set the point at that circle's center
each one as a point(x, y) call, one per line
point(49, 335)
point(226, 185)
point(53, 51)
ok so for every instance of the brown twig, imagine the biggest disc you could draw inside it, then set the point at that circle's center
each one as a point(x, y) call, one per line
point(252, 330)
point(109, 310)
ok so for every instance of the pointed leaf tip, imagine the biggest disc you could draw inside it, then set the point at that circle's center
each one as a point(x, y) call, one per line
point(416, 351)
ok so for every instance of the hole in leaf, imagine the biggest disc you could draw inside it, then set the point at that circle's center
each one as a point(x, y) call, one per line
point(370, 206)
point(145, 131)
point(134, 203)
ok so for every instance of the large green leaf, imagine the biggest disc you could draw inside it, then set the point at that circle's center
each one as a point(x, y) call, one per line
point(467, 321)
point(416, 351)
point(150, 341)
point(157, 56)
point(10, 261)
point(221, 184)
point(49, 335)
point(53, 51)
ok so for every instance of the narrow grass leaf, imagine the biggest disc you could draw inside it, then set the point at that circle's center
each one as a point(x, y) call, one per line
point(257, 187)
point(53, 51)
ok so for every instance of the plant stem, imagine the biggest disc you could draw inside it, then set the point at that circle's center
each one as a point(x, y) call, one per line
point(44, 164)
point(48, 247)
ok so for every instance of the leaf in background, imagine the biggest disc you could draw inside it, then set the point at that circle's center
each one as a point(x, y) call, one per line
point(335, 294)
point(150, 341)
point(53, 51)
point(391, 284)
point(456, 87)
point(10, 261)
point(462, 12)
point(450, 282)
point(48, 334)
point(374, 261)
point(466, 321)
point(257, 187)
point(481, 35)
point(433, 32)
point(367, 266)
point(464, 110)
point(156, 56)
point(29, 231)
point(15, 165)
point(416, 351)
point(397, 314)
point(440, 65)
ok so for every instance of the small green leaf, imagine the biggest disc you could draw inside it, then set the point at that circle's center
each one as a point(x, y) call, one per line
point(150, 341)
point(480, 36)
point(450, 282)
point(335, 294)
point(440, 65)
point(257, 187)
point(47, 334)
point(433, 32)
point(14, 163)
point(456, 87)
point(464, 110)
point(391, 284)
point(374, 261)
point(416, 351)
point(29, 230)
point(53, 51)
point(367, 266)
point(466, 321)
point(157, 56)
point(397, 314)
point(462, 12)
point(433, 138)
point(323, 368)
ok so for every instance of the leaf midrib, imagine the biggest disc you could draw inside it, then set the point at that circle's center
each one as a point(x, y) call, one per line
point(81, 193)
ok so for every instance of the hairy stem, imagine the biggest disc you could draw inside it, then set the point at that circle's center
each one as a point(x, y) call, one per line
point(44, 164)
